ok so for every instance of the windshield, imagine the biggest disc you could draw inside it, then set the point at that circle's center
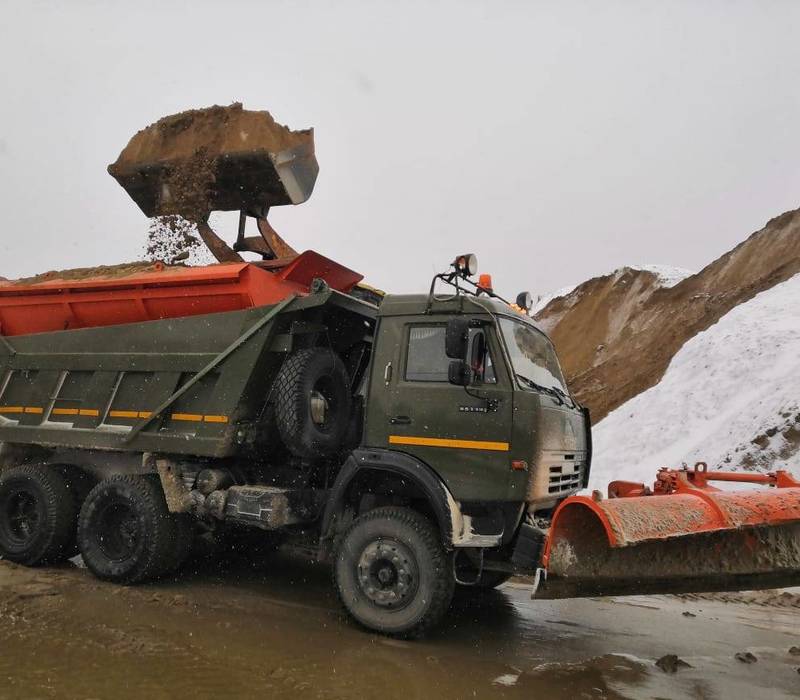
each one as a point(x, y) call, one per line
point(532, 355)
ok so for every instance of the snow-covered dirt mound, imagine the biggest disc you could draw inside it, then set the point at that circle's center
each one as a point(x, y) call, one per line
point(730, 397)
point(667, 276)
point(545, 299)
point(616, 334)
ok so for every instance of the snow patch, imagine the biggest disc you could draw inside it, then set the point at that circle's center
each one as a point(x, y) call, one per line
point(730, 397)
point(667, 276)
point(545, 299)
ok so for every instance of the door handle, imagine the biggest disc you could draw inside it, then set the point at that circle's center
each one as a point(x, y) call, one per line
point(400, 420)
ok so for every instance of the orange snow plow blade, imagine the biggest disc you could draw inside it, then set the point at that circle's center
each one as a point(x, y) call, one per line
point(682, 536)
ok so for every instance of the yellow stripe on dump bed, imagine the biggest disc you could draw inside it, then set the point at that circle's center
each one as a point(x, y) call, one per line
point(188, 417)
point(123, 414)
point(64, 412)
point(215, 419)
point(443, 442)
point(36, 410)
point(196, 417)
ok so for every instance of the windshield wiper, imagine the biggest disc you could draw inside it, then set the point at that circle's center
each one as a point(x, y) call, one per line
point(563, 393)
point(551, 391)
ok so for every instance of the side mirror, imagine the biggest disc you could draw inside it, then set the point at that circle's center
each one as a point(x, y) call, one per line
point(459, 373)
point(456, 338)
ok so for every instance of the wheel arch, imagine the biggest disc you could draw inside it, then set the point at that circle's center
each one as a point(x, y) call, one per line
point(388, 468)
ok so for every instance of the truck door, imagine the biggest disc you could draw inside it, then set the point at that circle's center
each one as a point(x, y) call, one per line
point(462, 434)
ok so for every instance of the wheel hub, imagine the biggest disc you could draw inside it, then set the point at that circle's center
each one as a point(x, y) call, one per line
point(118, 529)
point(323, 403)
point(388, 574)
point(319, 408)
point(22, 516)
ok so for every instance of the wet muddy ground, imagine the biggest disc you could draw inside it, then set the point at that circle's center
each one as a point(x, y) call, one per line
point(274, 630)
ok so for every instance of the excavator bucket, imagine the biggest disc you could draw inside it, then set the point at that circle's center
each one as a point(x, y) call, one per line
point(682, 536)
point(217, 159)
point(249, 180)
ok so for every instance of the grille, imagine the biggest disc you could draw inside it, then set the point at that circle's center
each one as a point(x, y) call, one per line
point(565, 477)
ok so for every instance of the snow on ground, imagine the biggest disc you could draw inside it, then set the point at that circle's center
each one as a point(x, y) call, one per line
point(737, 381)
point(543, 301)
point(667, 276)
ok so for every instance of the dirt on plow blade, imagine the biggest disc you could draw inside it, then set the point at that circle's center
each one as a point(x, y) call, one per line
point(684, 536)
point(729, 560)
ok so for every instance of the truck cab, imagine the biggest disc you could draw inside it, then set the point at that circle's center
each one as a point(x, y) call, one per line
point(469, 425)
point(510, 435)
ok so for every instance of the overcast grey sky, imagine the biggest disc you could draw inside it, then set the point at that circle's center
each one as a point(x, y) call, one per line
point(556, 140)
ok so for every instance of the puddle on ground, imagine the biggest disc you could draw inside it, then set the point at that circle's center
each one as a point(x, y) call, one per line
point(273, 628)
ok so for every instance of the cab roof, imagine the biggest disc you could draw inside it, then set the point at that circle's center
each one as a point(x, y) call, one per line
point(417, 304)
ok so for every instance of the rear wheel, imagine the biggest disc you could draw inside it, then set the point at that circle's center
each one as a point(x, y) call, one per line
point(125, 532)
point(393, 574)
point(37, 516)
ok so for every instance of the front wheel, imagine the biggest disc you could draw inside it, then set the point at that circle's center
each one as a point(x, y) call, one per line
point(392, 573)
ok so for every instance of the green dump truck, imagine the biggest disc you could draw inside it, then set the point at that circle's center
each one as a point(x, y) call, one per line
point(415, 445)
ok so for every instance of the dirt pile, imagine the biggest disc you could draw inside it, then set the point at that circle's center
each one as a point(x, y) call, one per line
point(85, 273)
point(214, 130)
point(616, 334)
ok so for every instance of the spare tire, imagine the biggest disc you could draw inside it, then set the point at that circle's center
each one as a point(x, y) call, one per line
point(312, 403)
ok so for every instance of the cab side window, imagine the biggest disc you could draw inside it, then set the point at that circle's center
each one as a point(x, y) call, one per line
point(426, 360)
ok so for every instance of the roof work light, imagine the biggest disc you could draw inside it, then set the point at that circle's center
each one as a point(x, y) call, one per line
point(525, 301)
point(466, 265)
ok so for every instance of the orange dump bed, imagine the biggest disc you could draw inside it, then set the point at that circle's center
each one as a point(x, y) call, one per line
point(160, 293)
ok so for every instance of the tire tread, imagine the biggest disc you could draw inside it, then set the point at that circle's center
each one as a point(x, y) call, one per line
point(160, 552)
point(61, 514)
point(445, 584)
point(289, 403)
